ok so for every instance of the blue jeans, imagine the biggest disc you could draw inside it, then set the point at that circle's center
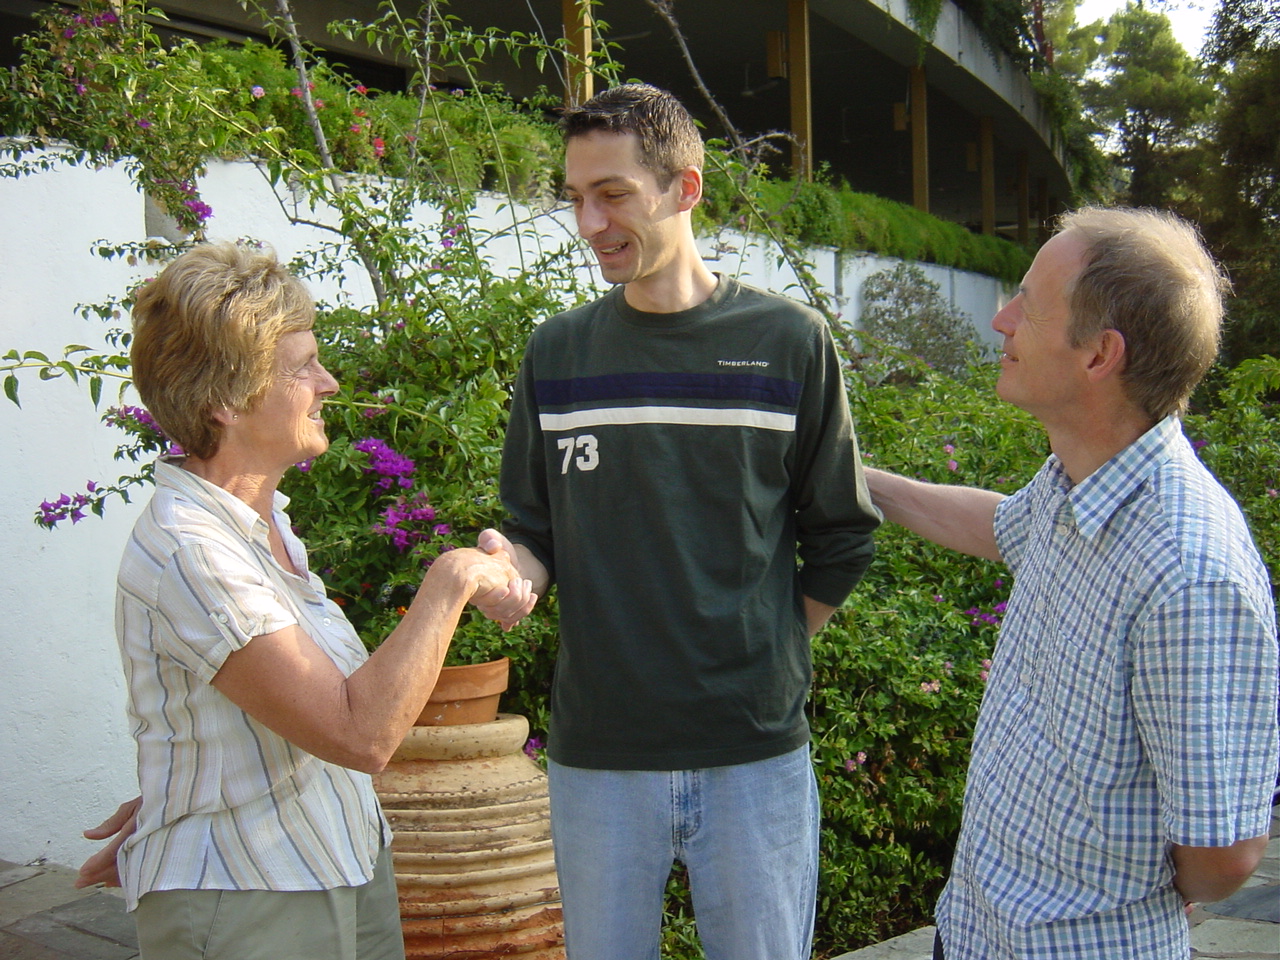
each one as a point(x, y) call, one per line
point(747, 833)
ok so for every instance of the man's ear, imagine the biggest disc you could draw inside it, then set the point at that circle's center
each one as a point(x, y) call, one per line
point(1108, 356)
point(224, 415)
point(689, 181)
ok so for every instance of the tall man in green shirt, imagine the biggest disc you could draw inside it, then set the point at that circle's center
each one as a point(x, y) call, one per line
point(680, 462)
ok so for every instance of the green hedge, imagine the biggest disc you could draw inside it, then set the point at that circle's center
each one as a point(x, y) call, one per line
point(818, 213)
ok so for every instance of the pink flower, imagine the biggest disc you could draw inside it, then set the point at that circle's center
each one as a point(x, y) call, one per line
point(257, 92)
point(853, 763)
point(952, 465)
point(296, 92)
point(949, 449)
point(361, 89)
point(379, 147)
point(931, 686)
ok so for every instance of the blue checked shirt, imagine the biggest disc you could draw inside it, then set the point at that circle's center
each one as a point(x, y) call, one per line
point(1131, 705)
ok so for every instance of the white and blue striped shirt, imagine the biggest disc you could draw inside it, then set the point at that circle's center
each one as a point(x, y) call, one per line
point(226, 803)
point(1131, 705)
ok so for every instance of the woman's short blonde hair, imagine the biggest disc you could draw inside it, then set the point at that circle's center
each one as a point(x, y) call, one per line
point(205, 334)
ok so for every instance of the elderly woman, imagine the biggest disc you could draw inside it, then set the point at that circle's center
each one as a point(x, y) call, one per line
point(258, 715)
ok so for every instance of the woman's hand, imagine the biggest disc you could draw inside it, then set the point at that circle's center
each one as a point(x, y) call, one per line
point(101, 867)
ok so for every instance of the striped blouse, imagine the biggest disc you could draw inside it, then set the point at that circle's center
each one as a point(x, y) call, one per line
point(226, 803)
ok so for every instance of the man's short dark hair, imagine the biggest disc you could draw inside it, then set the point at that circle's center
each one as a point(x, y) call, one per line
point(669, 140)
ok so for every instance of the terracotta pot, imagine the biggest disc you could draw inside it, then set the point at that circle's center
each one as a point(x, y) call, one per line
point(474, 865)
point(466, 694)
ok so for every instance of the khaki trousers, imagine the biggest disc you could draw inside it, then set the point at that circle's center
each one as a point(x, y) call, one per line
point(346, 923)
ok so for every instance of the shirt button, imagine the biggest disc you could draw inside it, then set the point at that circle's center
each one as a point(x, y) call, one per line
point(223, 618)
point(327, 621)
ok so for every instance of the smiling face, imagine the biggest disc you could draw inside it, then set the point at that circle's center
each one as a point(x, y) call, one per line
point(285, 426)
point(1040, 371)
point(634, 227)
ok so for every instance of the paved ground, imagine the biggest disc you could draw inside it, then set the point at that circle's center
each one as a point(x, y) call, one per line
point(1244, 927)
point(42, 917)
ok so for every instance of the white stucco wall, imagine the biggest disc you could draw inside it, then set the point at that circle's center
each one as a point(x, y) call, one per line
point(66, 759)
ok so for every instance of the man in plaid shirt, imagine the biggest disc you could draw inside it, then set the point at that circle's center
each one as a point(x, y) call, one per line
point(1126, 750)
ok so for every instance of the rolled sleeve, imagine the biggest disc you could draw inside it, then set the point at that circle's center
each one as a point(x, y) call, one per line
point(212, 603)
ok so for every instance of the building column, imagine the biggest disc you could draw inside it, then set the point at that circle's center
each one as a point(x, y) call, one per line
point(579, 80)
point(987, 173)
point(1042, 206)
point(1024, 200)
point(801, 90)
point(919, 119)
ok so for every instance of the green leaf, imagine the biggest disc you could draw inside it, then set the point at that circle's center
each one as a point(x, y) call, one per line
point(11, 389)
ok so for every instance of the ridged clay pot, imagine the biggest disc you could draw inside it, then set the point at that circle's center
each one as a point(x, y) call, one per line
point(474, 865)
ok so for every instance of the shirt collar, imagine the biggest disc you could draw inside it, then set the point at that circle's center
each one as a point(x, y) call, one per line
point(1097, 498)
point(170, 473)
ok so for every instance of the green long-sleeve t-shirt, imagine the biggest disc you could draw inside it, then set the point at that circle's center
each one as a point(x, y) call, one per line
point(686, 479)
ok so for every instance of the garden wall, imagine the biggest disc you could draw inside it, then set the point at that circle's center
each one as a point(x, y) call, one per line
point(65, 755)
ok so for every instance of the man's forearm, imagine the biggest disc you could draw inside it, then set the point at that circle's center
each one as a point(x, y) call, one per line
point(816, 614)
point(1209, 874)
point(960, 518)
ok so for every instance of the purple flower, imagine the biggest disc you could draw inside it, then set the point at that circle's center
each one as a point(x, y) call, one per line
point(386, 462)
point(144, 124)
point(854, 762)
point(81, 89)
point(257, 92)
point(948, 449)
point(69, 32)
point(952, 465)
point(531, 747)
point(199, 208)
